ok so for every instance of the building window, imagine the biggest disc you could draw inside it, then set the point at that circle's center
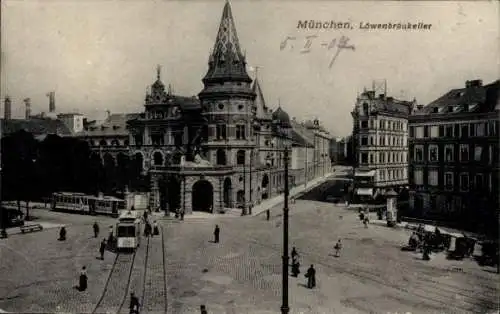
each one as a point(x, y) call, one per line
point(382, 158)
point(490, 154)
point(240, 132)
point(433, 153)
point(492, 128)
point(364, 141)
point(371, 124)
point(221, 157)
point(364, 158)
point(412, 131)
point(240, 157)
point(479, 181)
point(441, 130)
point(464, 152)
point(464, 182)
point(448, 131)
point(364, 124)
point(157, 139)
point(419, 153)
point(434, 131)
point(382, 175)
point(220, 131)
point(426, 131)
point(371, 140)
point(382, 140)
point(371, 159)
point(472, 130)
point(448, 153)
point(433, 178)
point(478, 153)
point(103, 143)
point(381, 124)
point(418, 177)
point(419, 132)
point(464, 130)
point(480, 129)
point(448, 181)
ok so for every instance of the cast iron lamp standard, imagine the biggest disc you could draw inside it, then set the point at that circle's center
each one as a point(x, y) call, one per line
point(283, 130)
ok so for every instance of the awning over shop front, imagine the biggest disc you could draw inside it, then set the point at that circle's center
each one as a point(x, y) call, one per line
point(370, 173)
point(365, 191)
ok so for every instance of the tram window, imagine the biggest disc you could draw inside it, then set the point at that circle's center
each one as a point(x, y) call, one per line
point(126, 231)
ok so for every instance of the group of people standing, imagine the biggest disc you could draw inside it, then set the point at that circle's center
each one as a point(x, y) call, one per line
point(150, 230)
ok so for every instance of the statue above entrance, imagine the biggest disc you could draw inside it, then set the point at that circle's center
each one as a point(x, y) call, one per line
point(199, 160)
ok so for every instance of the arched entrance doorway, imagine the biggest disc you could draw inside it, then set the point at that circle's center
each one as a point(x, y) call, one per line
point(202, 196)
point(227, 193)
point(173, 192)
point(265, 187)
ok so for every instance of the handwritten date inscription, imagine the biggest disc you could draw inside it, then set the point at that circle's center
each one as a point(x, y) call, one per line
point(307, 42)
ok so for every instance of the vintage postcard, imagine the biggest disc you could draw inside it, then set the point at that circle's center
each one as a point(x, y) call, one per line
point(232, 156)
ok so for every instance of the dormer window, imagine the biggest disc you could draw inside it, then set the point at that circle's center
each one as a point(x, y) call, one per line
point(365, 108)
point(435, 110)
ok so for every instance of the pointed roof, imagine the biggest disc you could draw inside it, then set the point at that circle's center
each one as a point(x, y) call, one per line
point(226, 61)
point(260, 103)
point(158, 84)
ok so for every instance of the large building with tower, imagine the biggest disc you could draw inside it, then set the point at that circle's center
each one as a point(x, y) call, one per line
point(218, 150)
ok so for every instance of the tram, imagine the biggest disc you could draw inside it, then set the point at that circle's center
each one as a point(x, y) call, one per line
point(128, 231)
point(87, 204)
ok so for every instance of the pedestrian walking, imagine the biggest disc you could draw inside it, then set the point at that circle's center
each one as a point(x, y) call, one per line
point(338, 248)
point(62, 234)
point(294, 253)
point(268, 214)
point(147, 229)
point(182, 213)
point(102, 248)
point(134, 304)
point(295, 266)
point(216, 234)
point(145, 216)
point(203, 309)
point(311, 277)
point(110, 237)
point(82, 285)
point(96, 229)
point(156, 229)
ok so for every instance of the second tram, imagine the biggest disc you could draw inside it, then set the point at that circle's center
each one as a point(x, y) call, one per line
point(128, 231)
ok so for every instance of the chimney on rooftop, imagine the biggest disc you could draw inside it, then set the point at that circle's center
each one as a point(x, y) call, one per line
point(473, 83)
point(52, 101)
point(8, 109)
point(27, 103)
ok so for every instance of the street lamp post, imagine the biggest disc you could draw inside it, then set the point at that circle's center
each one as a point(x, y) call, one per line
point(284, 307)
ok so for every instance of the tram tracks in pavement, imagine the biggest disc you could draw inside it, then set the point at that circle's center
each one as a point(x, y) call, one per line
point(151, 292)
point(420, 289)
point(115, 292)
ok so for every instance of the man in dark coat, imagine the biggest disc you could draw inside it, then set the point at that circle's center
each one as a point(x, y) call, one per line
point(83, 279)
point(62, 234)
point(134, 304)
point(294, 253)
point(216, 234)
point(203, 309)
point(96, 229)
point(268, 214)
point(102, 248)
point(311, 277)
point(147, 229)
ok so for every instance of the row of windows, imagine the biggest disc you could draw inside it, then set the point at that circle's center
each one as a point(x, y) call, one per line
point(455, 130)
point(114, 142)
point(482, 153)
point(383, 141)
point(383, 157)
point(467, 182)
point(222, 130)
point(392, 174)
point(383, 125)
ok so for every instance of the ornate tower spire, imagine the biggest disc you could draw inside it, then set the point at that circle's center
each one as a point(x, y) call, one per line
point(227, 62)
point(158, 72)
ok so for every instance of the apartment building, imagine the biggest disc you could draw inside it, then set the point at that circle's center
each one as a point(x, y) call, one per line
point(380, 142)
point(454, 156)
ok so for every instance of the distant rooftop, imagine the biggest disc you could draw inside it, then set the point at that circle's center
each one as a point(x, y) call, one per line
point(474, 97)
point(36, 126)
point(114, 125)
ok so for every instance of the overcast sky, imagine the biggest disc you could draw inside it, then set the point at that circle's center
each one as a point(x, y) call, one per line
point(99, 55)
